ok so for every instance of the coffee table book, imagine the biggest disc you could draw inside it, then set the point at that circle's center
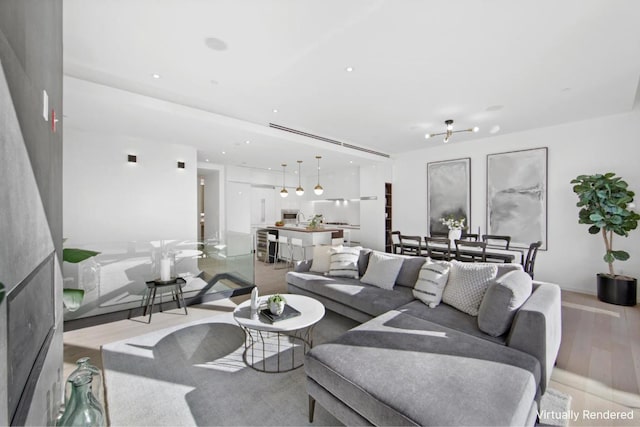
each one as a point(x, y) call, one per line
point(287, 313)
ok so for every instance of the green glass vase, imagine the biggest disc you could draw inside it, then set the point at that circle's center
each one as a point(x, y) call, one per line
point(82, 408)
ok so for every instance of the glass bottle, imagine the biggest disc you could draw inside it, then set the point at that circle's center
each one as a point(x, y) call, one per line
point(83, 364)
point(82, 408)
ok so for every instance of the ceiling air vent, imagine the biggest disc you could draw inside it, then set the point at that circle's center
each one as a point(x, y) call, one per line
point(330, 141)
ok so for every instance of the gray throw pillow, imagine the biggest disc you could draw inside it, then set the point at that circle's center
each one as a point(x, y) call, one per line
point(363, 261)
point(502, 300)
point(409, 271)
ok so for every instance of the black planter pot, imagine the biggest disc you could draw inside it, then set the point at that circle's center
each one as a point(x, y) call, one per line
point(619, 290)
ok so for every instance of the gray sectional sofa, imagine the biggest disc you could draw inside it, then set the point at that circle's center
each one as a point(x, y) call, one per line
point(409, 364)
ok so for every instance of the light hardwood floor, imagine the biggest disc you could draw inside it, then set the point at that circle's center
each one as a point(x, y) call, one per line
point(598, 364)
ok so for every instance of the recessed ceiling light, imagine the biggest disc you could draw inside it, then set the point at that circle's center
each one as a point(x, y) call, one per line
point(214, 43)
point(206, 160)
point(247, 142)
point(495, 129)
point(269, 168)
point(351, 161)
point(224, 152)
point(155, 76)
point(275, 110)
point(348, 69)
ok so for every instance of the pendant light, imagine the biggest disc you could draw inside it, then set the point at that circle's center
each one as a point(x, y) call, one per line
point(318, 188)
point(283, 193)
point(299, 190)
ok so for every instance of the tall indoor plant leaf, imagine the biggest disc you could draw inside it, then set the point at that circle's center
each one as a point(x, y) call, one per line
point(75, 256)
point(605, 203)
point(72, 298)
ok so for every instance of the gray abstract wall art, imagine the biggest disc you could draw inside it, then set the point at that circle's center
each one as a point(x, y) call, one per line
point(517, 196)
point(448, 192)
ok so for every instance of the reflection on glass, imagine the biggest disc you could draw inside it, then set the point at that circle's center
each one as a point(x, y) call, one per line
point(115, 279)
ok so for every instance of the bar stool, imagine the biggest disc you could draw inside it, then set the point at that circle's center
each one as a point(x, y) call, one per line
point(346, 233)
point(283, 243)
point(272, 257)
point(296, 246)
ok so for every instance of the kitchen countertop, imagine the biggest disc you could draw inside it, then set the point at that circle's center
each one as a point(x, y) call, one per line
point(304, 229)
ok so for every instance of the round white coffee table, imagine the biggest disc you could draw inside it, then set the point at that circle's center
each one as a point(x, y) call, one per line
point(279, 346)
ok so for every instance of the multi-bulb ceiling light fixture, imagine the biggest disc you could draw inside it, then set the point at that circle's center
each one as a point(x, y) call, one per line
point(450, 131)
point(283, 193)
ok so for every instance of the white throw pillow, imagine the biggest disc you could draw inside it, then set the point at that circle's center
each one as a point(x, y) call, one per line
point(431, 282)
point(382, 270)
point(343, 262)
point(467, 284)
point(321, 258)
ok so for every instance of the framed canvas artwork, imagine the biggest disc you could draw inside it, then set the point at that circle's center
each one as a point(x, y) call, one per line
point(448, 192)
point(517, 196)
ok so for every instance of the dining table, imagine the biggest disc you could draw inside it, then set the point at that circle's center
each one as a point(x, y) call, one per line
point(492, 253)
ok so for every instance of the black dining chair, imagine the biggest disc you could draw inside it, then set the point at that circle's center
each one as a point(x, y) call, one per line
point(394, 238)
point(410, 245)
point(439, 234)
point(471, 256)
point(497, 240)
point(438, 253)
point(530, 260)
point(472, 237)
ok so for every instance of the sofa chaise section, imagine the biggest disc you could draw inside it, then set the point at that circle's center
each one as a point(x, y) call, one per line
point(400, 370)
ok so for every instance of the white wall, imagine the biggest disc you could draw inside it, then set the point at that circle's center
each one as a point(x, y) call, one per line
point(107, 199)
point(606, 144)
point(238, 207)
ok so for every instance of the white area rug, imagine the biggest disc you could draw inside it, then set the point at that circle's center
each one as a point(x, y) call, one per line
point(193, 374)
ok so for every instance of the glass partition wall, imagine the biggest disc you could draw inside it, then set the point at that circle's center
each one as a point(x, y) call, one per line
point(115, 279)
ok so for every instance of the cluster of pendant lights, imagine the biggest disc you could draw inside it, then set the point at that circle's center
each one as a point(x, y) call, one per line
point(318, 190)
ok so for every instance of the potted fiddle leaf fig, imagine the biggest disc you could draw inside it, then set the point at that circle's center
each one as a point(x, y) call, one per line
point(606, 205)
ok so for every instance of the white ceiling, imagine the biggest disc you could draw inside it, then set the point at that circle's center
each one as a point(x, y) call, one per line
point(517, 64)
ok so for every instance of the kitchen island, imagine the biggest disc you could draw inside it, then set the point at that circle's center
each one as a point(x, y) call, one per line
point(309, 237)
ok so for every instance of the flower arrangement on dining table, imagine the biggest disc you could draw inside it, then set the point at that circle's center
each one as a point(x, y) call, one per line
point(452, 223)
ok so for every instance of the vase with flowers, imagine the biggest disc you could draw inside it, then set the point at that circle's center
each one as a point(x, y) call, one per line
point(455, 227)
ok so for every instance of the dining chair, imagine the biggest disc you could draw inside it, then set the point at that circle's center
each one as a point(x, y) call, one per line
point(471, 256)
point(410, 245)
point(394, 238)
point(496, 240)
point(438, 252)
point(439, 234)
point(471, 237)
point(530, 260)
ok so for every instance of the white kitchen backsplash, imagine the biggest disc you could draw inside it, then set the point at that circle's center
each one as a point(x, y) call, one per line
point(347, 211)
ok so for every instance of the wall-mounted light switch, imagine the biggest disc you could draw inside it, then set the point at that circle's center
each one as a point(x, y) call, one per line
point(45, 105)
